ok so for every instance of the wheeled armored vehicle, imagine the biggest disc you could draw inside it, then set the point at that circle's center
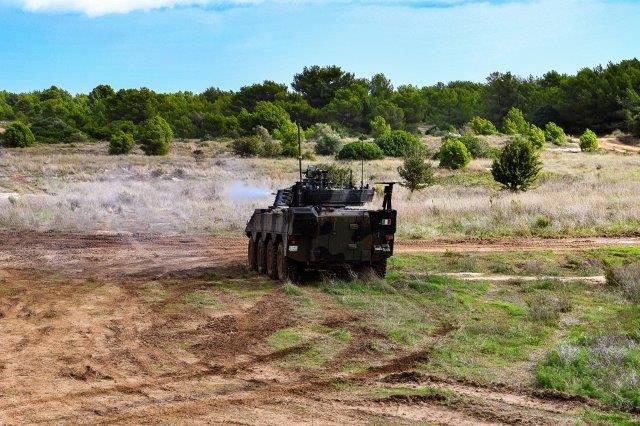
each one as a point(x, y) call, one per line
point(318, 225)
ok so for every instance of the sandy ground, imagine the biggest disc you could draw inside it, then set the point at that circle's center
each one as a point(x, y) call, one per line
point(84, 340)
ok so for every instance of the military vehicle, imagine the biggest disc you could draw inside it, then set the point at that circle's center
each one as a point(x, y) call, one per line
point(318, 225)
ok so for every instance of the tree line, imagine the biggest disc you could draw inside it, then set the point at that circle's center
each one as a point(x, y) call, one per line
point(601, 99)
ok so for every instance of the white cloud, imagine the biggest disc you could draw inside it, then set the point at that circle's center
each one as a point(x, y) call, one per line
point(103, 7)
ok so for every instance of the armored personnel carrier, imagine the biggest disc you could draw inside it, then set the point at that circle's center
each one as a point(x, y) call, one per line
point(318, 225)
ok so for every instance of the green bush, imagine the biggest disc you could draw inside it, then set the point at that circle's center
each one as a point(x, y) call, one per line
point(361, 150)
point(416, 173)
point(288, 135)
point(478, 148)
point(482, 126)
point(248, 146)
point(156, 136)
point(536, 136)
point(453, 154)
point(270, 147)
point(55, 130)
point(121, 143)
point(555, 134)
point(399, 143)
point(340, 176)
point(589, 141)
point(514, 123)
point(635, 128)
point(328, 141)
point(17, 135)
point(379, 126)
point(518, 166)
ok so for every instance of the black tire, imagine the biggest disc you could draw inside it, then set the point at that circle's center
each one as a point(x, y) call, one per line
point(272, 260)
point(262, 256)
point(252, 258)
point(287, 269)
point(380, 268)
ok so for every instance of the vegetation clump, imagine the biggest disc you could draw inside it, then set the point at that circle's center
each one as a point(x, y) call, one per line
point(247, 146)
point(361, 150)
point(478, 148)
point(341, 176)
point(518, 166)
point(156, 136)
point(379, 126)
point(399, 143)
point(416, 173)
point(626, 278)
point(17, 135)
point(121, 143)
point(635, 128)
point(454, 154)
point(515, 123)
point(482, 126)
point(555, 134)
point(536, 136)
point(328, 141)
point(589, 141)
point(270, 147)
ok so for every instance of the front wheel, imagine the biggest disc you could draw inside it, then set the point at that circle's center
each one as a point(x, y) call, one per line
point(272, 260)
point(262, 256)
point(252, 258)
point(287, 269)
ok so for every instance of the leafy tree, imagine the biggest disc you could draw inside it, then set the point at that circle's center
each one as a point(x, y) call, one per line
point(416, 173)
point(214, 125)
point(318, 85)
point(518, 166)
point(248, 146)
point(379, 126)
point(248, 97)
point(360, 151)
point(156, 136)
point(121, 143)
point(399, 143)
point(288, 135)
point(589, 141)
point(17, 135)
point(55, 130)
point(482, 126)
point(380, 86)
point(536, 136)
point(636, 126)
point(514, 123)
point(454, 154)
point(500, 95)
point(393, 114)
point(328, 141)
point(413, 103)
point(349, 106)
point(268, 115)
point(136, 105)
point(555, 134)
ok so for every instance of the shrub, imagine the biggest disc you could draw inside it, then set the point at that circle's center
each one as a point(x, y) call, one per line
point(156, 136)
point(269, 115)
point(514, 123)
point(635, 128)
point(478, 148)
point(518, 166)
point(17, 135)
point(399, 143)
point(270, 147)
point(361, 150)
point(52, 130)
point(288, 135)
point(454, 154)
point(121, 143)
point(536, 137)
point(589, 141)
point(416, 173)
point(627, 279)
point(249, 146)
point(547, 308)
point(379, 126)
point(327, 140)
point(482, 126)
point(555, 134)
point(340, 176)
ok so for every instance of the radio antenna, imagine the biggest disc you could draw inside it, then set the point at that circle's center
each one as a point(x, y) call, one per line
point(299, 152)
point(361, 164)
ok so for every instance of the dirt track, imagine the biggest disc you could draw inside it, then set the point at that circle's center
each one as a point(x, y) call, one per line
point(92, 331)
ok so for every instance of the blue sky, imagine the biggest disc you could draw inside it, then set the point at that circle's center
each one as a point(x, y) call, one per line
point(170, 45)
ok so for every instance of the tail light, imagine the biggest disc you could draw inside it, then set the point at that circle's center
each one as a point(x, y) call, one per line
point(293, 241)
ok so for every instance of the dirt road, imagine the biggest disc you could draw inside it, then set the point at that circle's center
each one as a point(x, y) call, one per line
point(148, 256)
point(106, 329)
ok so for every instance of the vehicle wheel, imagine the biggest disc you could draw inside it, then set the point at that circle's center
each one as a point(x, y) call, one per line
point(287, 268)
point(272, 260)
point(262, 255)
point(252, 262)
point(380, 268)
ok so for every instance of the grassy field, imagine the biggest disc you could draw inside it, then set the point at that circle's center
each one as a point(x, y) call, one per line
point(79, 188)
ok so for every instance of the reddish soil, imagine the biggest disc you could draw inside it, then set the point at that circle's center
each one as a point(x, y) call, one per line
point(94, 329)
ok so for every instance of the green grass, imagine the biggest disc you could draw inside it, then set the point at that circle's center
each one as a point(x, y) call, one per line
point(284, 339)
point(201, 299)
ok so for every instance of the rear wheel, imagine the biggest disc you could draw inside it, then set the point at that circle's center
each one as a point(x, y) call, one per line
point(287, 269)
point(380, 268)
point(252, 262)
point(272, 260)
point(262, 255)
